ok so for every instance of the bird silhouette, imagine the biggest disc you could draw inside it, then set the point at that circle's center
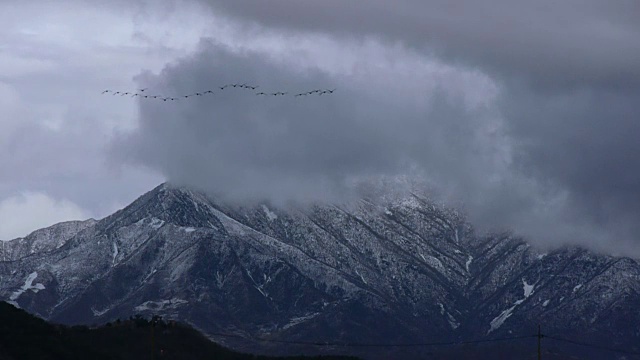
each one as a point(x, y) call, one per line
point(201, 93)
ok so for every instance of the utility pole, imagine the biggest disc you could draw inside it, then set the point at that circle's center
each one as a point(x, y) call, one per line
point(539, 341)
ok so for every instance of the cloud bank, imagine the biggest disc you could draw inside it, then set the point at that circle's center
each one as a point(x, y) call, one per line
point(527, 114)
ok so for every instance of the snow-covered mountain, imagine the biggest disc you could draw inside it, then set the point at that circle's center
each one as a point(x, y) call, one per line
point(396, 271)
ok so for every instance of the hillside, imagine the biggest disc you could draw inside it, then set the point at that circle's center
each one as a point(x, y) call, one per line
point(24, 336)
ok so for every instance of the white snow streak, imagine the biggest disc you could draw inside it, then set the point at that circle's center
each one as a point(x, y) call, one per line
point(115, 253)
point(156, 223)
point(500, 319)
point(160, 305)
point(362, 278)
point(298, 320)
point(28, 285)
point(469, 260)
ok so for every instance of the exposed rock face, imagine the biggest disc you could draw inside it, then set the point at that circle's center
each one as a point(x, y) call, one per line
point(397, 272)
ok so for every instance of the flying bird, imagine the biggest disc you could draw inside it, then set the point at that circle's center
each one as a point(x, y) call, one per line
point(141, 90)
point(106, 91)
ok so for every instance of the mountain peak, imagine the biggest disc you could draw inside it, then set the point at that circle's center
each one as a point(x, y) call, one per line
point(399, 271)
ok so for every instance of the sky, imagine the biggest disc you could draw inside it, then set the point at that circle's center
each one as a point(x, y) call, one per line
point(524, 114)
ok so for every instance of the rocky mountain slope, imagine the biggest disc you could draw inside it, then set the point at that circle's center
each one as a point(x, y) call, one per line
point(396, 271)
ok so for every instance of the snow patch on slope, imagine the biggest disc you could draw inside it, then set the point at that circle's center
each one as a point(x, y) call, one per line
point(500, 319)
point(156, 223)
point(28, 285)
point(160, 305)
point(299, 320)
point(115, 253)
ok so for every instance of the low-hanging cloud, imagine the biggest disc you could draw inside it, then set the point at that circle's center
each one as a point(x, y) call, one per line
point(570, 90)
point(309, 148)
point(550, 153)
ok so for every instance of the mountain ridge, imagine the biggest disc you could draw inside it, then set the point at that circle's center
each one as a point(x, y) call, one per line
point(394, 271)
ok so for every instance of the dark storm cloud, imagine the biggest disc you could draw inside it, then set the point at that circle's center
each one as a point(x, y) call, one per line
point(569, 85)
point(314, 147)
point(569, 76)
point(552, 43)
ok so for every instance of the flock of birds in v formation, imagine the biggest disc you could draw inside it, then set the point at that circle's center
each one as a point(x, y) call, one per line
point(141, 93)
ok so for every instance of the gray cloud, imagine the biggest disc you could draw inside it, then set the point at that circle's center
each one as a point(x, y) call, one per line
point(54, 124)
point(570, 93)
point(558, 168)
point(550, 43)
point(313, 147)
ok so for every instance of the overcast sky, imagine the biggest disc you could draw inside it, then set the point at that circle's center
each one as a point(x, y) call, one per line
point(526, 112)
